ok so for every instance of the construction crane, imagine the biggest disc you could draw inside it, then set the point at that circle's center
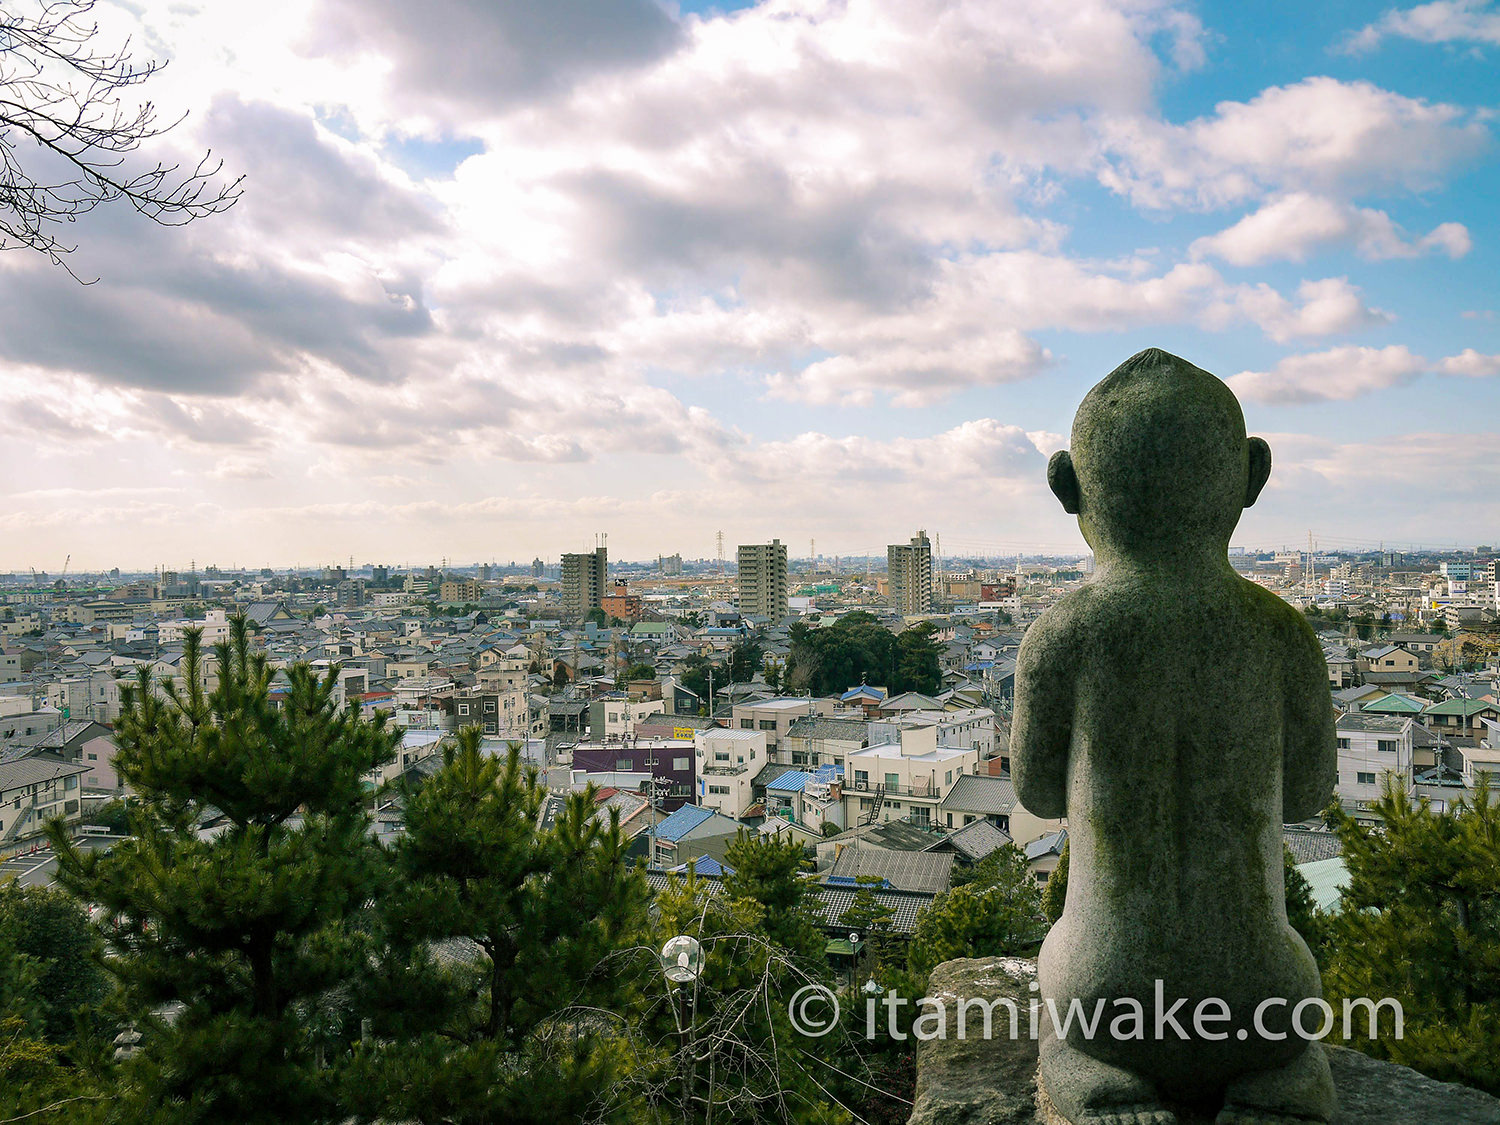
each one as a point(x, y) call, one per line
point(66, 561)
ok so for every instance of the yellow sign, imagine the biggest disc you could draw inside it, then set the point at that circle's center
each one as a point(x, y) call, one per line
point(682, 732)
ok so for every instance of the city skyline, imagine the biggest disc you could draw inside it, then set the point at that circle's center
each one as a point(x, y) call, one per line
point(839, 271)
point(650, 566)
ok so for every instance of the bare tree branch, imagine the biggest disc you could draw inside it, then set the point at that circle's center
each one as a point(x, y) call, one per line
point(63, 104)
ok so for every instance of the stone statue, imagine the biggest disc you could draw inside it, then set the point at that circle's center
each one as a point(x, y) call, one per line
point(1177, 714)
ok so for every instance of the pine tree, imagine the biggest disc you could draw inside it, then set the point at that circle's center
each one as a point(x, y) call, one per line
point(1301, 912)
point(231, 945)
point(767, 871)
point(999, 912)
point(1420, 923)
point(529, 920)
point(1055, 892)
point(871, 919)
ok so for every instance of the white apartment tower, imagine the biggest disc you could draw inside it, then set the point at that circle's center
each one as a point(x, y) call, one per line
point(763, 585)
point(909, 572)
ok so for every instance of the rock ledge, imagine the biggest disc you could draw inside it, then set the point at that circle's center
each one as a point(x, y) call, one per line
point(979, 1081)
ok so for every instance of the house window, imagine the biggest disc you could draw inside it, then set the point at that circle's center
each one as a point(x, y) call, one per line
point(892, 780)
point(1388, 745)
point(682, 763)
point(1343, 744)
point(768, 724)
point(489, 706)
point(921, 814)
point(463, 708)
point(1365, 778)
point(622, 765)
point(948, 818)
point(747, 724)
point(862, 779)
point(948, 778)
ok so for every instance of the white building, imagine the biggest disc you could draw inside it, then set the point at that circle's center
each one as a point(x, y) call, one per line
point(971, 728)
point(728, 761)
point(34, 790)
point(1371, 748)
point(904, 778)
point(622, 715)
point(215, 626)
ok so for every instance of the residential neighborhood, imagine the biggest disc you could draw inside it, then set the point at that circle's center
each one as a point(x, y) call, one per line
point(690, 700)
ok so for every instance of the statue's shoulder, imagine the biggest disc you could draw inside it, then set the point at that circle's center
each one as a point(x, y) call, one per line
point(1059, 625)
point(1268, 605)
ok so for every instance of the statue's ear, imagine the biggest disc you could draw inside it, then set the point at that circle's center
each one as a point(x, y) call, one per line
point(1260, 469)
point(1064, 481)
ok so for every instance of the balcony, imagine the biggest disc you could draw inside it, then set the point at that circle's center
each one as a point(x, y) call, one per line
point(925, 789)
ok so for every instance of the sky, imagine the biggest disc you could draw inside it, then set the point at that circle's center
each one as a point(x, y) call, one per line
point(506, 275)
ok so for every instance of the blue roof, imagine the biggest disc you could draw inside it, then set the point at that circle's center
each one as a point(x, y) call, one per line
point(683, 821)
point(792, 781)
point(704, 865)
point(854, 881)
point(863, 689)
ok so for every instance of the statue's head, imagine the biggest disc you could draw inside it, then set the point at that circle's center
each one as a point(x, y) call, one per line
point(1159, 459)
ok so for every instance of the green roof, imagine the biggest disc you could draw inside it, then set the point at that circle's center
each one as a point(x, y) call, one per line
point(1460, 707)
point(1326, 879)
point(1395, 704)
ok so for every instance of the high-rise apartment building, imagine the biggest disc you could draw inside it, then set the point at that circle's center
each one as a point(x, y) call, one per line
point(583, 577)
point(763, 580)
point(909, 572)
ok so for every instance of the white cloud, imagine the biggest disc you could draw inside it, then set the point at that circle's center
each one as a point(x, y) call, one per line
point(1348, 372)
point(1472, 364)
point(912, 376)
point(828, 203)
point(1446, 21)
point(1319, 134)
point(1328, 307)
point(1293, 226)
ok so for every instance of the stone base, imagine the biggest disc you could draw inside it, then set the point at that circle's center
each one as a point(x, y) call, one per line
point(993, 1081)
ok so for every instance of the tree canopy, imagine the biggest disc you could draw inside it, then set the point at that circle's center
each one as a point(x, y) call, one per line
point(1420, 922)
point(249, 932)
point(857, 649)
point(998, 911)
